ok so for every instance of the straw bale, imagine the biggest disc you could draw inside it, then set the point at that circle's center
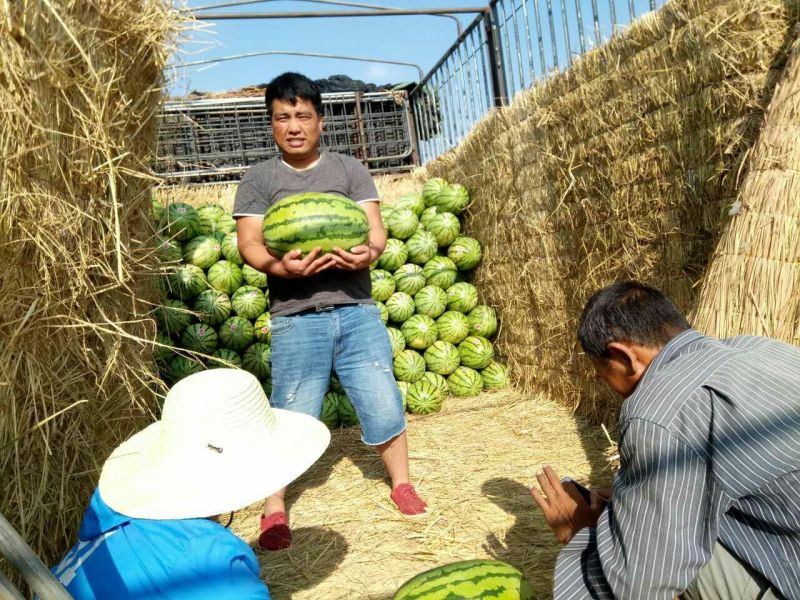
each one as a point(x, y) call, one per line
point(350, 542)
point(752, 285)
point(80, 85)
point(197, 195)
point(621, 167)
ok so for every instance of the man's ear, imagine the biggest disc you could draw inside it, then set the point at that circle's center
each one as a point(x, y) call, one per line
point(635, 365)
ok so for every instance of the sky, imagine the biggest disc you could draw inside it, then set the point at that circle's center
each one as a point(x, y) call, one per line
point(415, 39)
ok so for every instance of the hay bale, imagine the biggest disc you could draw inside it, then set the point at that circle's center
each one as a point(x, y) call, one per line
point(80, 85)
point(619, 168)
point(752, 285)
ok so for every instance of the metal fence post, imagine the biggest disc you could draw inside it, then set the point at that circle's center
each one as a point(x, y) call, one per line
point(497, 67)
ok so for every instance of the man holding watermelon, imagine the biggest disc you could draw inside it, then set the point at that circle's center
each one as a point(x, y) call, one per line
point(706, 503)
point(323, 316)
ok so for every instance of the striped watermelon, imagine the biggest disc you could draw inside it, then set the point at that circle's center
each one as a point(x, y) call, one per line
point(330, 410)
point(468, 580)
point(212, 307)
point(199, 337)
point(306, 221)
point(431, 189)
point(440, 271)
point(427, 215)
point(430, 301)
point(400, 307)
point(347, 414)
point(262, 328)
point(442, 358)
point(225, 224)
point(173, 317)
point(256, 360)
point(170, 250)
point(465, 382)
point(482, 321)
point(182, 366)
point(394, 256)
point(465, 252)
point(422, 247)
point(225, 276)
point(445, 227)
point(230, 248)
point(476, 352)
point(413, 202)
point(208, 214)
point(438, 381)
point(385, 212)
point(382, 284)
point(452, 198)
point(409, 279)
point(162, 350)
point(236, 333)
point(403, 223)
point(424, 397)
point(383, 310)
point(495, 376)
point(187, 281)
point(403, 387)
point(181, 221)
point(397, 340)
point(249, 302)
point(254, 277)
point(228, 356)
point(409, 366)
point(156, 210)
point(453, 327)
point(462, 296)
point(420, 332)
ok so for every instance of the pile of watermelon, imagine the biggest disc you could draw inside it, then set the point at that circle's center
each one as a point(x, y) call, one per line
point(218, 307)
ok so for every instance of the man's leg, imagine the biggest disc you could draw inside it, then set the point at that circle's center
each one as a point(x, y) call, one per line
point(301, 358)
point(725, 577)
point(363, 364)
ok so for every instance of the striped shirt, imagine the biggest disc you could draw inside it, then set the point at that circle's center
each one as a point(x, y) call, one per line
point(709, 450)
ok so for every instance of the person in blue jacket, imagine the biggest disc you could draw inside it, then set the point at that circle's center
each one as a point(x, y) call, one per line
point(218, 447)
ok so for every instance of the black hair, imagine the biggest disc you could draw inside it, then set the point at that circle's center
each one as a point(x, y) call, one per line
point(291, 86)
point(628, 311)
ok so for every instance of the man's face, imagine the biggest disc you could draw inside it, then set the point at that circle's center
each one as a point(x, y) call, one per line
point(296, 128)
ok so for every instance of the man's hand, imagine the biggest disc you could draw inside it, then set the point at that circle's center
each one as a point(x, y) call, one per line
point(563, 507)
point(297, 265)
point(359, 257)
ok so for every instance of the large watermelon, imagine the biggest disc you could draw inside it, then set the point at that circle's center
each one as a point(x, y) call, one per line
point(228, 356)
point(397, 340)
point(256, 360)
point(413, 202)
point(306, 221)
point(431, 189)
point(394, 256)
point(347, 414)
point(230, 248)
point(422, 247)
point(495, 376)
point(254, 277)
point(383, 284)
point(440, 271)
point(400, 307)
point(403, 387)
point(409, 279)
point(225, 224)
point(199, 337)
point(445, 227)
point(482, 321)
point(409, 366)
point(162, 350)
point(170, 250)
point(468, 580)
point(462, 296)
point(476, 352)
point(465, 382)
point(383, 310)
point(424, 397)
point(420, 332)
point(236, 333)
point(438, 381)
point(187, 281)
point(442, 357)
point(430, 301)
point(209, 213)
point(402, 223)
point(262, 328)
point(427, 215)
point(225, 276)
point(212, 307)
point(249, 302)
point(330, 410)
point(173, 317)
point(465, 252)
point(452, 198)
point(181, 221)
point(453, 327)
point(182, 366)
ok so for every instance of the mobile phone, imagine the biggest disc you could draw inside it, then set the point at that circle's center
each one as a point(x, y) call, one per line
point(583, 491)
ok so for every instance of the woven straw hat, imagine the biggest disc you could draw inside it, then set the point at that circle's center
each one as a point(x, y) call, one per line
point(218, 447)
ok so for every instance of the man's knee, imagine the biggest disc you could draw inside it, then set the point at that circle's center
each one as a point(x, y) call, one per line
point(725, 577)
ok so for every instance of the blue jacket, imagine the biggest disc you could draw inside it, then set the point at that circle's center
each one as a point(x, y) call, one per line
point(120, 558)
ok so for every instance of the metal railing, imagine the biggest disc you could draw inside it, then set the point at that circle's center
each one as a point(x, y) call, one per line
point(505, 50)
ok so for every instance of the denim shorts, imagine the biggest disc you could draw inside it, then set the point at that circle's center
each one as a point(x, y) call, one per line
point(350, 341)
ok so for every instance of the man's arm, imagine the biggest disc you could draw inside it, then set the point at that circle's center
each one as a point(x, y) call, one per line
point(293, 264)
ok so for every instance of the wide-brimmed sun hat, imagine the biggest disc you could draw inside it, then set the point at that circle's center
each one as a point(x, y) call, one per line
point(218, 447)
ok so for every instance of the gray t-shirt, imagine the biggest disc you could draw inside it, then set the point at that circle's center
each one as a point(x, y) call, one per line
point(267, 182)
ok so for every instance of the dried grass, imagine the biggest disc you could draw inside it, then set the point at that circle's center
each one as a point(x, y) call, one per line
point(80, 84)
point(622, 167)
point(349, 541)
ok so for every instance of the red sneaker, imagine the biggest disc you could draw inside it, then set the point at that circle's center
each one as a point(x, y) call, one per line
point(275, 532)
point(407, 501)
